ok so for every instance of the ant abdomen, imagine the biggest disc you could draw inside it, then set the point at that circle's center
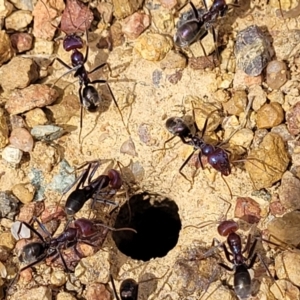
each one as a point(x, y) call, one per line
point(242, 282)
point(75, 202)
point(91, 98)
point(31, 252)
point(129, 289)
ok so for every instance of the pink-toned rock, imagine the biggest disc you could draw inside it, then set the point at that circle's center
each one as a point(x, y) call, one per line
point(16, 121)
point(29, 210)
point(6, 50)
point(76, 18)
point(52, 212)
point(169, 4)
point(97, 291)
point(21, 41)
point(242, 80)
point(26, 69)
point(36, 95)
point(293, 119)
point(26, 275)
point(276, 208)
point(21, 139)
point(247, 209)
point(44, 14)
point(135, 24)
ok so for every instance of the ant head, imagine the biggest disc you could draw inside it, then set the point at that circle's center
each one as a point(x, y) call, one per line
point(176, 126)
point(227, 227)
point(72, 42)
point(129, 289)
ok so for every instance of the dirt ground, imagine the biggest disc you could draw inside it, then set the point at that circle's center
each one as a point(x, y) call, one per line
point(145, 107)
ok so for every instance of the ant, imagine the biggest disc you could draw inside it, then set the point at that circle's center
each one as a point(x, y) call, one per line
point(197, 27)
point(79, 231)
point(88, 188)
point(128, 289)
point(242, 279)
point(216, 156)
point(88, 94)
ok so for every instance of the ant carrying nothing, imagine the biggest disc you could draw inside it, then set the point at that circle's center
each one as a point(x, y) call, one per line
point(88, 94)
point(101, 188)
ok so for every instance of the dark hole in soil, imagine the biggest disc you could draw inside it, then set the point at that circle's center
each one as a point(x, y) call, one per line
point(156, 220)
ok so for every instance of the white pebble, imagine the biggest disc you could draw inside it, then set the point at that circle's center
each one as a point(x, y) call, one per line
point(20, 231)
point(12, 155)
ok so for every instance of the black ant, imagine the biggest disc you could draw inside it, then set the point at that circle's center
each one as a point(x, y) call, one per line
point(196, 28)
point(88, 94)
point(128, 289)
point(79, 231)
point(92, 188)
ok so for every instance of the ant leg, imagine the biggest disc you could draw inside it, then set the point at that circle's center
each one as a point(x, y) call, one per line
point(225, 267)
point(33, 230)
point(114, 99)
point(114, 287)
point(195, 11)
point(227, 253)
point(97, 68)
point(252, 261)
point(184, 164)
point(251, 251)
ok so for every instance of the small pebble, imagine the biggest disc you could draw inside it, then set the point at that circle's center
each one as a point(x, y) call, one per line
point(153, 46)
point(287, 266)
point(20, 231)
point(97, 291)
point(242, 138)
point(35, 117)
point(173, 60)
point(267, 163)
point(252, 50)
point(276, 96)
point(21, 139)
point(4, 254)
point(169, 4)
point(36, 95)
point(117, 36)
point(7, 240)
point(258, 97)
point(21, 42)
point(26, 274)
point(12, 155)
point(27, 211)
point(6, 9)
point(293, 119)
point(18, 20)
point(247, 209)
point(163, 20)
point(128, 147)
point(285, 230)
point(3, 271)
point(52, 212)
point(125, 8)
point(34, 293)
point(47, 132)
point(269, 115)
point(17, 122)
point(9, 205)
point(286, 290)
point(58, 278)
point(277, 74)
point(276, 208)
point(135, 24)
point(65, 296)
point(24, 192)
point(41, 46)
point(3, 129)
point(106, 11)
point(6, 50)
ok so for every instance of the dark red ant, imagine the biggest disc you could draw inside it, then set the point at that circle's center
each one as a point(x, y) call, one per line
point(88, 94)
point(242, 279)
point(194, 29)
point(216, 156)
point(79, 231)
point(128, 289)
point(99, 188)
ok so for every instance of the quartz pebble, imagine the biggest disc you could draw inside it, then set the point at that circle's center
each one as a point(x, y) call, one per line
point(269, 115)
point(276, 74)
point(21, 41)
point(125, 8)
point(35, 117)
point(6, 50)
point(285, 229)
point(26, 69)
point(128, 147)
point(153, 46)
point(24, 192)
point(58, 278)
point(287, 266)
point(293, 119)
point(36, 95)
point(252, 50)
point(3, 129)
point(12, 155)
point(18, 20)
point(267, 163)
point(135, 24)
point(97, 291)
point(20, 231)
point(9, 205)
point(21, 139)
point(47, 132)
point(247, 209)
point(289, 191)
